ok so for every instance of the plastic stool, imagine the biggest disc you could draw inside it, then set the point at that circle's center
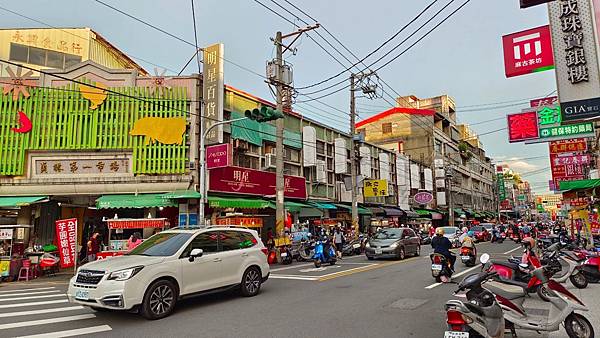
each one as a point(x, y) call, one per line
point(27, 269)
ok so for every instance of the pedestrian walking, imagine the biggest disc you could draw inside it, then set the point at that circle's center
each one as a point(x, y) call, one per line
point(133, 241)
point(338, 241)
point(93, 247)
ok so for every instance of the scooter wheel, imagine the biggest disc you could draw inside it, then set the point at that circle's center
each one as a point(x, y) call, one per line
point(543, 293)
point(577, 326)
point(317, 263)
point(579, 280)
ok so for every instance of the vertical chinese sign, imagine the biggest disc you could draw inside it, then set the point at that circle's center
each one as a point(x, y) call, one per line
point(213, 92)
point(528, 51)
point(574, 44)
point(66, 234)
point(568, 160)
point(500, 183)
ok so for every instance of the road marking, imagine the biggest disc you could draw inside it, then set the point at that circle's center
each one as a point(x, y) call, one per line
point(34, 303)
point(71, 333)
point(291, 267)
point(46, 321)
point(26, 293)
point(509, 251)
point(37, 312)
point(34, 297)
point(294, 277)
point(32, 289)
point(453, 276)
point(362, 269)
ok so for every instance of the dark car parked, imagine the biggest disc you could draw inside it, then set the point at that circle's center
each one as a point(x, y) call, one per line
point(393, 243)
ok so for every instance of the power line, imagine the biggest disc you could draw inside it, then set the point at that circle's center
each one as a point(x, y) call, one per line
point(196, 36)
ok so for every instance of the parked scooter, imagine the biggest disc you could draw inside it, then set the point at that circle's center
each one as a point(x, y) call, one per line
point(564, 265)
point(468, 256)
point(305, 250)
point(591, 268)
point(440, 268)
point(352, 247)
point(285, 252)
point(563, 306)
point(324, 253)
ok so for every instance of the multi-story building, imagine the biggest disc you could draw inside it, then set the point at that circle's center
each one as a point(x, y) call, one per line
point(427, 132)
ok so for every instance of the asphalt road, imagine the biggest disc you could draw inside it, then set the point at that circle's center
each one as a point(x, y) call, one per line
point(355, 298)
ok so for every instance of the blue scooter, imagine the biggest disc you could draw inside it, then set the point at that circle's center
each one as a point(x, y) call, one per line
point(321, 256)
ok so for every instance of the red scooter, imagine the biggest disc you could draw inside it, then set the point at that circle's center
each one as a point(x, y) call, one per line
point(591, 266)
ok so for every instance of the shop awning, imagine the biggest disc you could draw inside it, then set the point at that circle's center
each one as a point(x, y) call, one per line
point(423, 212)
point(579, 184)
point(296, 206)
point(459, 211)
point(134, 201)
point(20, 201)
point(323, 205)
point(237, 202)
point(182, 194)
point(361, 211)
point(393, 212)
point(377, 210)
point(411, 214)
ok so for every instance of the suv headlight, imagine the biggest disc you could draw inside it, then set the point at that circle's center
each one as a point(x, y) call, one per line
point(124, 274)
point(394, 245)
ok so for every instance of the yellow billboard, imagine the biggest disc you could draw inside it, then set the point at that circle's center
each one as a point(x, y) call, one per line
point(375, 188)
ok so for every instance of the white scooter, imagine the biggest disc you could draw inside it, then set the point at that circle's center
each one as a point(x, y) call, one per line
point(570, 266)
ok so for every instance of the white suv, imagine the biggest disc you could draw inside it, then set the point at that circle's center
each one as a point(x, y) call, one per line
point(170, 265)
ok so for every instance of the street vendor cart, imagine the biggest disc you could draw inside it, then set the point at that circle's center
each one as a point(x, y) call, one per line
point(120, 229)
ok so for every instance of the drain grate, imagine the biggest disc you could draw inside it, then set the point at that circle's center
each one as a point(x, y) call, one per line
point(408, 303)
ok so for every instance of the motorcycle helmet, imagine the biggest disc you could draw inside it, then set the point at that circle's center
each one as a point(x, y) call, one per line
point(439, 231)
point(464, 229)
point(528, 242)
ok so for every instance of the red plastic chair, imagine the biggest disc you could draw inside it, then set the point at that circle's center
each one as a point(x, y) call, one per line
point(27, 269)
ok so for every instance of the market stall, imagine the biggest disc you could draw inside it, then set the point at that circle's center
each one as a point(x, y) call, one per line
point(12, 250)
point(119, 231)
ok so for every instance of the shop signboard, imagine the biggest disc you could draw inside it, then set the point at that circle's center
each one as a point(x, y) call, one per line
point(213, 92)
point(528, 51)
point(523, 126)
point(70, 166)
point(375, 188)
point(583, 159)
point(568, 160)
point(239, 180)
point(500, 183)
point(66, 234)
point(423, 197)
point(6, 233)
point(574, 43)
point(218, 156)
point(544, 101)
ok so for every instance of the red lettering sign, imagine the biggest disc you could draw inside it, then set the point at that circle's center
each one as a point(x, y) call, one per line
point(527, 51)
point(66, 235)
point(523, 126)
point(545, 101)
point(218, 156)
point(254, 182)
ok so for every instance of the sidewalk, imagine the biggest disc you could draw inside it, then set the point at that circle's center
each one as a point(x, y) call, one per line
point(57, 279)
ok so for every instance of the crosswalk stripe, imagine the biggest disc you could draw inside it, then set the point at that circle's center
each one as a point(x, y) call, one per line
point(46, 321)
point(34, 297)
point(45, 302)
point(71, 333)
point(32, 289)
point(37, 312)
point(26, 293)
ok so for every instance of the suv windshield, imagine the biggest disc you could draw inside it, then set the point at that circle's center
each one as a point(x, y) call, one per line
point(388, 234)
point(163, 244)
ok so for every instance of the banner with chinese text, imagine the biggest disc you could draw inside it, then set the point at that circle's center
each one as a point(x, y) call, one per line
point(66, 234)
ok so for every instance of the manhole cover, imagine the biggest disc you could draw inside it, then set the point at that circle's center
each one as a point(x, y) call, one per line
point(408, 303)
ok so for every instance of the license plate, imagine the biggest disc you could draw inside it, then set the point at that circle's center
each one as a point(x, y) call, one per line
point(456, 334)
point(284, 254)
point(437, 267)
point(82, 294)
point(466, 258)
point(378, 251)
point(356, 246)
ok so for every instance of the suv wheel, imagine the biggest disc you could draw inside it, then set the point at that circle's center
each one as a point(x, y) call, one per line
point(401, 253)
point(251, 281)
point(159, 300)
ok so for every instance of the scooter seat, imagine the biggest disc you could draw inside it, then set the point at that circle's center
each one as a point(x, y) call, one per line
point(506, 290)
point(513, 266)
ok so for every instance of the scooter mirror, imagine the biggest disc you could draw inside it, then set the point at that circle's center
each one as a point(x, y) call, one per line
point(484, 258)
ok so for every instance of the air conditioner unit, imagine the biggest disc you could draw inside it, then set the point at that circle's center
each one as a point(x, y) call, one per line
point(240, 145)
point(321, 172)
point(270, 160)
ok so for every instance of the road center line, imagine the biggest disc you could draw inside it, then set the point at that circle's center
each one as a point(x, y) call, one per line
point(509, 251)
point(70, 333)
point(453, 276)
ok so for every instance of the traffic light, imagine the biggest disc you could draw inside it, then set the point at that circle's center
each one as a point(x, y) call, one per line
point(531, 3)
point(263, 114)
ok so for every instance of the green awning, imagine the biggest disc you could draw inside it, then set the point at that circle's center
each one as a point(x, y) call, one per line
point(134, 201)
point(296, 206)
point(361, 211)
point(183, 194)
point(256, 132)
point(20, 201)
point(236, 202)
point(323, 205)
point(459, 211)
point(579, 184)
point(423, 212)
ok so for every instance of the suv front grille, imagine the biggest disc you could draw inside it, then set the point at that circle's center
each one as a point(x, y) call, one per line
point(89, 276)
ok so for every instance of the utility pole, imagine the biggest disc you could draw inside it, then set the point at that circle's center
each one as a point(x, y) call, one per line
point(283, 92)
point(449, 174)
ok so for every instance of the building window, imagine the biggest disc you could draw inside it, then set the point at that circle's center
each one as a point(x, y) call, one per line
point(320, 147)
point(42, 57)
point(386, 128)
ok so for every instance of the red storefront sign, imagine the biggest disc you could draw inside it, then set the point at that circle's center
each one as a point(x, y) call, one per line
point(528, 51)
point(138, 223)
point(523, 126)
point(578, 202)
point(572, 159)
point(66, 234)
point(218, 156)
point(567, 146)
point(545, 101)
point(254, 182)
point(567, 160)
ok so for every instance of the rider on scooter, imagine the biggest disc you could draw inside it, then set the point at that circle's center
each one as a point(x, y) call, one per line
point(442, 245)
point(466, 240)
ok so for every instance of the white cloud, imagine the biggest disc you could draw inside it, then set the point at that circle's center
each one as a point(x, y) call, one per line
point(520, 166)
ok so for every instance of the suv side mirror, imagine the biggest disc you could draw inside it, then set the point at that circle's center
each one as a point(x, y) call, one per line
point(195, 253)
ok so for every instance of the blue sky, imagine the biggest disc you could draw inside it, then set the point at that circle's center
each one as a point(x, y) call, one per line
point(462, 58)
